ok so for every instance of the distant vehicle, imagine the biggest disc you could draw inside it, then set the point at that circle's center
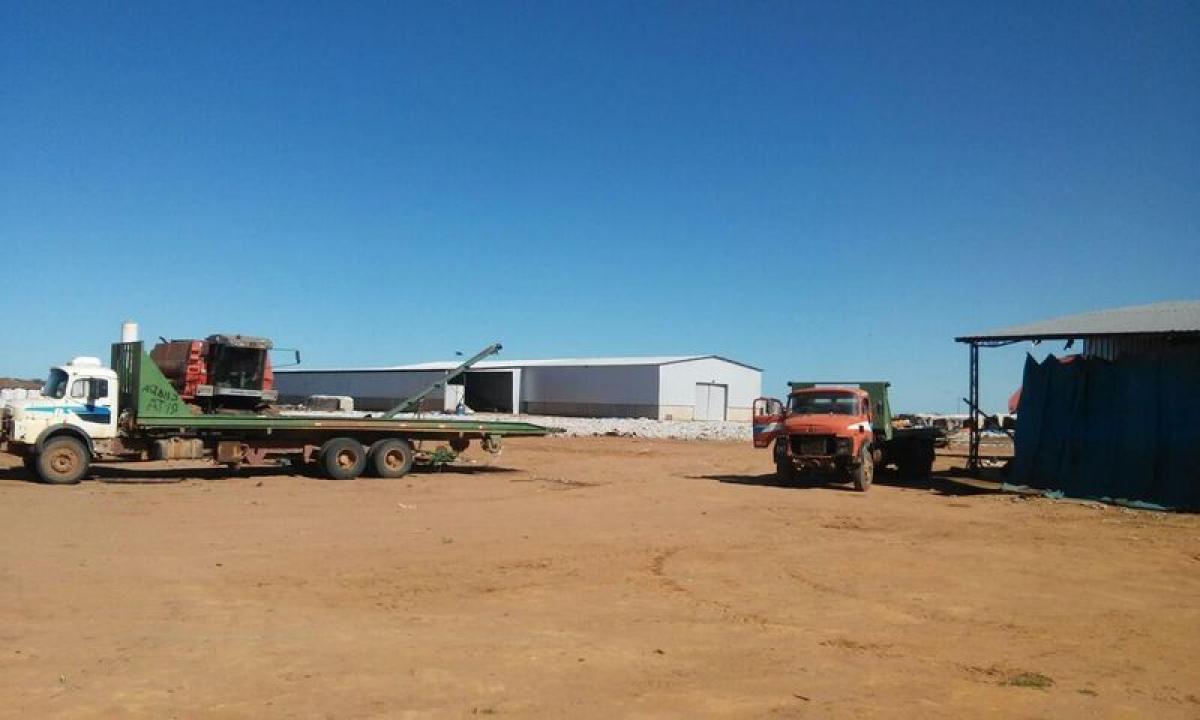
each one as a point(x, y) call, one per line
point(843, 430)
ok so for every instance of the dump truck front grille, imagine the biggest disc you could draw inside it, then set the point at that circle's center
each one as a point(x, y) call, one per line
point(812, 444)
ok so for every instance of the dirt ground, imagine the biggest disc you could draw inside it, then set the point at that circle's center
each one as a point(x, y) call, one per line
point(587, 578)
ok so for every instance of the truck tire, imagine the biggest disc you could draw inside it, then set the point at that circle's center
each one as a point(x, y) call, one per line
point(864, 472)
point(391, 458)
point(343, 458)
point(62, 461)
point(917, 461)
point(785, 471)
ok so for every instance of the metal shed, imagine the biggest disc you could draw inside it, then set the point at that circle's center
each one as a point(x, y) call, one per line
point(676, 387)
point(1133, 388)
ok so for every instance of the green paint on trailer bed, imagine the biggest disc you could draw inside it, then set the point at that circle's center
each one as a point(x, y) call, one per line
point(269, 423)
point(156, 406)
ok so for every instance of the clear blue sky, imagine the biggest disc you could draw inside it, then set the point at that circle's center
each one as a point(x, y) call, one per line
point(828, 190)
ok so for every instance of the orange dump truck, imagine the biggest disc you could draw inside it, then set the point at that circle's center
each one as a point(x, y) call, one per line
point(841, 430)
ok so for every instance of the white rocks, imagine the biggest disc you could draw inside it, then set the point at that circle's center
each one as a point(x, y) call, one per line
point(590, 427)
point(634, 427)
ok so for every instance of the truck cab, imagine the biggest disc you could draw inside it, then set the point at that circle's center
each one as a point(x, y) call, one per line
point(77, 411)
point(822, 429)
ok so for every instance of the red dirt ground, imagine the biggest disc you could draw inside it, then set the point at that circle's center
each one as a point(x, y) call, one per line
point(587, 578)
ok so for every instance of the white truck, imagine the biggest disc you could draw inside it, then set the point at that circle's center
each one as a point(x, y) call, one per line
point(132, 412)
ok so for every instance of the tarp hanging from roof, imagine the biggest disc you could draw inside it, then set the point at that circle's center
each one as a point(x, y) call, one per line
point(1125, 430)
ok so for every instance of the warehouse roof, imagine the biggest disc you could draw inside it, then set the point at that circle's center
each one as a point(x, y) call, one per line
point(511, 364)
point(1157, 318)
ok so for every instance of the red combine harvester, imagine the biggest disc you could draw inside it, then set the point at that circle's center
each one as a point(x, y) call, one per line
point(221, 372)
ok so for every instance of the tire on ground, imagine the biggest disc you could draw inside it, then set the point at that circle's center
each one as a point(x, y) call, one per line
point(63, 460)
point(391, 458)
point(342, 458)
point(864, 472)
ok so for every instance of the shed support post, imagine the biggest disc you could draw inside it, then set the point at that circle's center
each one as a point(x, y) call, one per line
point(973, 463)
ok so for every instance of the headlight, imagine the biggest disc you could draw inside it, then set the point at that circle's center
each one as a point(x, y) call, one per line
point(844, 445)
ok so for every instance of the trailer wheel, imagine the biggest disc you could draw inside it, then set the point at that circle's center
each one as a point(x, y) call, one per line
point(391, 458)
point(62, 461)
point(864, 473)
point(343, 458)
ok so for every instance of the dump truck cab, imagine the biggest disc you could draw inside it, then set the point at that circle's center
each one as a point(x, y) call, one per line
point(821, 428)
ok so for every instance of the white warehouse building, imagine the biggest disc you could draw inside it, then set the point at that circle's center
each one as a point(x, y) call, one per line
point(684, 387)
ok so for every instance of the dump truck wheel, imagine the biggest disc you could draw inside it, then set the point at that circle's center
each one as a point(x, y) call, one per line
point(917, 463)
point(343, 458)
point(864, 473)
point(62, 461)
point(786, 474)
point(391, 458)
point(785, 471)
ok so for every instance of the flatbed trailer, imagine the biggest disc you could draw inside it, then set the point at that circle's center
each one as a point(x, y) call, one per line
point(131, 412)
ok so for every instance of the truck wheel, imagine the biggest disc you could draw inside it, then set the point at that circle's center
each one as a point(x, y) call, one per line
point(864, 473)
point(391, 458)
point(786, 474)
point(343, 458)
point(785, 471)
point(62, 461)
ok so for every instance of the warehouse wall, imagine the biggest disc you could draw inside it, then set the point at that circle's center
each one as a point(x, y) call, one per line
point(677, 387)
point(371, 389)
point(591, 391)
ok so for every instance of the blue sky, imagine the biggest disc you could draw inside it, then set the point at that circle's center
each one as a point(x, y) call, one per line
point(822, 190)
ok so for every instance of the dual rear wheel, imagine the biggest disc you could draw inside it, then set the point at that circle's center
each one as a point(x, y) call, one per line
point(346, 458)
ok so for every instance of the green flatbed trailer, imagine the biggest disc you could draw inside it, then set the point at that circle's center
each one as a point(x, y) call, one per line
point(132, 412)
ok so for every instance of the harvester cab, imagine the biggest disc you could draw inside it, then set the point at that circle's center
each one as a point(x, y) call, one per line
point(221, 372)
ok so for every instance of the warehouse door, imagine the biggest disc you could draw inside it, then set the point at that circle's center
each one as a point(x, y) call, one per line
point(489, 390)
point(710, 401)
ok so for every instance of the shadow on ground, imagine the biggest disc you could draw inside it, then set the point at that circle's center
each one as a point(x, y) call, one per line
point(133, 475)
point(940, 483)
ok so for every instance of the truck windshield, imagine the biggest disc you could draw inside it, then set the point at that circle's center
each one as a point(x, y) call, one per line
point(823, 404)
point(56, 384)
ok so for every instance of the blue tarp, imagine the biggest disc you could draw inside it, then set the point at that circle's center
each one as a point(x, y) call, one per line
point(1126, 431)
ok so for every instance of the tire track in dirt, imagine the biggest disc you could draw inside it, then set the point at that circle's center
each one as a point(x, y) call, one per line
point(657, 568)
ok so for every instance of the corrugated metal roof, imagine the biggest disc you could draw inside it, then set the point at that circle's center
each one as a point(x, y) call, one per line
point(1165, 317)
point(511, 364)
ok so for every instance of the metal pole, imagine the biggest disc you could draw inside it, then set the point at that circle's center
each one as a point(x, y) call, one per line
point(973, 463)
point(415, 399)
